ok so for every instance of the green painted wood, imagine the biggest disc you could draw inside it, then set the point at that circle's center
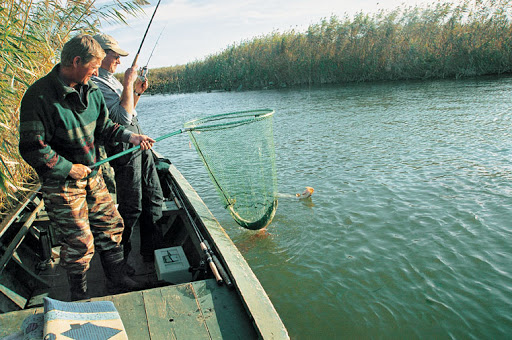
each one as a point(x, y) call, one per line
point(224, 314)
point(13, 299)
point(132, 311)
point(15, 243)
point(174, 313)
point(11, 322)
point(7, 221)
point(256, 301)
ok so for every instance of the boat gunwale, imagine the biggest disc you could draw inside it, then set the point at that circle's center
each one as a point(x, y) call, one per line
point(256, 301)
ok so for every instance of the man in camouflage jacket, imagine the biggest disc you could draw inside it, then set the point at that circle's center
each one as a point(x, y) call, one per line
point(63, 118)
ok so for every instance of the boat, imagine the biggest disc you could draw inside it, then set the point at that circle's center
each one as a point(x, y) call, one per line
point(215, 295)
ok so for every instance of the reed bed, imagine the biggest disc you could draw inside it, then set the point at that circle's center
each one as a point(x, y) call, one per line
point(32, 35)
point(440, 40)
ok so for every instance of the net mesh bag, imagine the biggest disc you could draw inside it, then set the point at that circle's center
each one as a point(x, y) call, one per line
point(238, 152)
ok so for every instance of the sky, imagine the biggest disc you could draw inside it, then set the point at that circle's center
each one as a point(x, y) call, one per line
point(191, 30)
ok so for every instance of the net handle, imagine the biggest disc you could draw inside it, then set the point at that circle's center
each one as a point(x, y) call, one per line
point(130, 150)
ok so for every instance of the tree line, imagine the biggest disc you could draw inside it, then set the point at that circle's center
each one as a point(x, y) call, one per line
point(440, 40)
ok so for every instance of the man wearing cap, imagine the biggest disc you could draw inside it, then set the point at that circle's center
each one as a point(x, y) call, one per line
point(139, 193)
point(63, 119)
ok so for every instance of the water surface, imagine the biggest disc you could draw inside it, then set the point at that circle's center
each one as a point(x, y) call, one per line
point(408, 233)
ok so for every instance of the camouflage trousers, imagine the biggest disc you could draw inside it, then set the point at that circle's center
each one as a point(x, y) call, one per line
point(84, 217)
point(107, 171)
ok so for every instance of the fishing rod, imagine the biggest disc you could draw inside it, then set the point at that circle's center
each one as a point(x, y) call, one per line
point(221, 276)
point(144, 38)
point(222, 272)
point(143, 72)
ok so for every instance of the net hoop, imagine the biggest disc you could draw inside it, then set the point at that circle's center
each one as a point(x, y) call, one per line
point(252, 203)
point(242, 117)
point(263, 222)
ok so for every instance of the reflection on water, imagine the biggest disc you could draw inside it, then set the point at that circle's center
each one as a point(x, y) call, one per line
point(408, 231)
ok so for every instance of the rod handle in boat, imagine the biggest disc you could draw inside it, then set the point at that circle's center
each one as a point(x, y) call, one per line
point(130, 150)
point(212, 265)
point(222, 271)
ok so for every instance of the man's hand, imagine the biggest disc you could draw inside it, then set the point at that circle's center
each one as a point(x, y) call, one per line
point(141, 86)
point(79, 171)
point(129, 76)
point(144, 141)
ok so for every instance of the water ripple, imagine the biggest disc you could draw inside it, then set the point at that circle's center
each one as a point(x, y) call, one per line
point(408, 231)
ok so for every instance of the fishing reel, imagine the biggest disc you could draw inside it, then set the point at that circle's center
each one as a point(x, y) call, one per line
point(143, 73)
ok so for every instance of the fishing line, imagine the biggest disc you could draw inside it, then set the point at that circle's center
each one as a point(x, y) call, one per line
point(143, 72)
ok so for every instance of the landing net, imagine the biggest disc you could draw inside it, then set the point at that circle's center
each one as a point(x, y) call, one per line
point(238, 152)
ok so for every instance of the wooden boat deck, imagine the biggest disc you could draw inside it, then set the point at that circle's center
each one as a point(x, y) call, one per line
point(200, 309)
point(195, 310)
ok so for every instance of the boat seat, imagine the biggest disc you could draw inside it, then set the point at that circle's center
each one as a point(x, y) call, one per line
point(170, 213)
point(170, 208)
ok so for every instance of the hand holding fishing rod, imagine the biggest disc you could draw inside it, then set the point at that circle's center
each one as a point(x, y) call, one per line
point(142, 84)
point(132, 83)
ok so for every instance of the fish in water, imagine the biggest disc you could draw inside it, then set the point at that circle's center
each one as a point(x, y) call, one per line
point(306, 194)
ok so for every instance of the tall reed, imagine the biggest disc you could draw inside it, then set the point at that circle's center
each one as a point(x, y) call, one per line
point(440, 40)
point(32, 34)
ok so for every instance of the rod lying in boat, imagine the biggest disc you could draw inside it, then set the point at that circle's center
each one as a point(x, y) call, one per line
point(216, 267)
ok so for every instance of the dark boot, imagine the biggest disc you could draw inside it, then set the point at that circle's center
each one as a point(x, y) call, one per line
point(78, 286)
point(126, 251)
point(115, 271)
point(130, 271)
